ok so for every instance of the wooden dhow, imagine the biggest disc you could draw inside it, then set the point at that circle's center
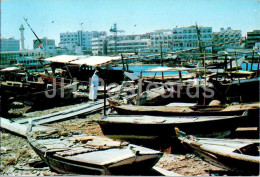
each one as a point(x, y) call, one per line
point(70, 153)
point(239, 155)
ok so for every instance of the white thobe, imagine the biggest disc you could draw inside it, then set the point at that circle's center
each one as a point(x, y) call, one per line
point(93, 87)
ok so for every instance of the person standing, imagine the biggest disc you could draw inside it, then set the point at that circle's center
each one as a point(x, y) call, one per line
point(93, 86)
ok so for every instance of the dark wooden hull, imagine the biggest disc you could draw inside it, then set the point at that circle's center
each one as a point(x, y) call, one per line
point(247, 90)
point(202, 128)
point(251, 120)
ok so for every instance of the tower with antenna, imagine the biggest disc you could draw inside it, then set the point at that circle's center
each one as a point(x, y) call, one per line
point(22, 37)
point(114, 30)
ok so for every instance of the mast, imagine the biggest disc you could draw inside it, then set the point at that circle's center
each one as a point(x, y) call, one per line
point(199, 42)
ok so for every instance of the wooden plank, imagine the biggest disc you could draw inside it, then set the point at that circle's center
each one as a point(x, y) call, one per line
point(13, 127)
point(70, 115)
point(74, 109)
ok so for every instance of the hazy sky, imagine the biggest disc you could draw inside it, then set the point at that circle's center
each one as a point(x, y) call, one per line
point(133, 16)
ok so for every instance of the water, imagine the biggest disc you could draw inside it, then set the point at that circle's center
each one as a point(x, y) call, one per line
point(243, 66)
point(138, 68)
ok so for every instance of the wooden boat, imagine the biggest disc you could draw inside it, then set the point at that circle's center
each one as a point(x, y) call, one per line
point(69, 153)
point(161, 126)
point(186, 110)
point(245, 89)
point(241, 156)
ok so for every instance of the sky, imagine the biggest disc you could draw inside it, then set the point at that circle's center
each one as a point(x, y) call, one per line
point(49, 18)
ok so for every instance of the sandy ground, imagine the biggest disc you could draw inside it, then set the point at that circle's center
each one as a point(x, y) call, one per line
point(16, 153)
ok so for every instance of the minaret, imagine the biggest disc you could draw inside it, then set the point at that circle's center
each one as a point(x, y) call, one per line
point(22, 36)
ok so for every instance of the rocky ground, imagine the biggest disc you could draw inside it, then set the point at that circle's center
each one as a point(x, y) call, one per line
point(17, 157)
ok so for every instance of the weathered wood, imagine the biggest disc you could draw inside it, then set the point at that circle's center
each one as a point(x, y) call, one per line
point(252, 59)
point(60, 113)
point(89, 110)
point(246, 106)
point(231, 154)
point(13, 127)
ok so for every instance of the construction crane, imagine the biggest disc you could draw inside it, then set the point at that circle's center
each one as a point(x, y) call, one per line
point(38, 39)
point(25, 19)
point(114, 30)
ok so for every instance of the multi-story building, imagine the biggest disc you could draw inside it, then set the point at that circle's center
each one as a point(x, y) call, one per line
point(228, 36)
point(46, 44)
point(125, 44)
point(161, 38)
point(15, 57)
point(186, 38)
point(9, 44)
point(252, 38)
point(71, 40)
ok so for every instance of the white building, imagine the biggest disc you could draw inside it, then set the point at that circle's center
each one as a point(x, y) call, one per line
point(252, 37)
point(226, 36)
point(161, 37)
point(46, 44)
point(186, 38)
point(70, 40)
point(9, 44)
point(125, 44)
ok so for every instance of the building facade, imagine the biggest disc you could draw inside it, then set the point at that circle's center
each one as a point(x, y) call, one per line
point(186, 38)
point(9, 44)
point(20, 57)
point(48, 45)
point(228, 36)
point(125, 44)
point(252, 38)
point(161, 38)
point(70, 40)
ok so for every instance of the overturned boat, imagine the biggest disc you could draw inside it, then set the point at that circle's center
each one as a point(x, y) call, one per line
point(161, 126)
point(70, 153)
point(239, 155)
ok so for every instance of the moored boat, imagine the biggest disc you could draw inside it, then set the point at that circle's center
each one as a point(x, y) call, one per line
point(161, 126)
point(68, 153)
point(241, 156)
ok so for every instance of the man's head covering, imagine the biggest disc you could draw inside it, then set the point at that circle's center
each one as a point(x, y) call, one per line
point(96, 71)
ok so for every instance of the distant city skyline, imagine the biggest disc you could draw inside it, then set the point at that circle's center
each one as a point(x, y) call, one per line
point(49, 18)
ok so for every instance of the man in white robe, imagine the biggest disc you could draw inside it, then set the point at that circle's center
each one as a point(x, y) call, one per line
point(93, 86)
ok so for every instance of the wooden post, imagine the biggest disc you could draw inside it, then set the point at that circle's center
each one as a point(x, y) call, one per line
point(246, 66)
point(161, 54)
point(127, 68)
point(105, 90)
point(161, 58)
point(68, 71)
point(237, 68)
point(138, 90)
point(154, 75)
point(231, 64)
point(252, 60)
point(204, 78)
point(180, 77)
point(225, 62)
point(236, 61)
point(258, 66)
point(122, 58)
point(162, 76)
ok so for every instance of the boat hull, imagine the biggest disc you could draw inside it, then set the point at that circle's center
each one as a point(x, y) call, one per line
point(228, 163)
point(203, 128)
